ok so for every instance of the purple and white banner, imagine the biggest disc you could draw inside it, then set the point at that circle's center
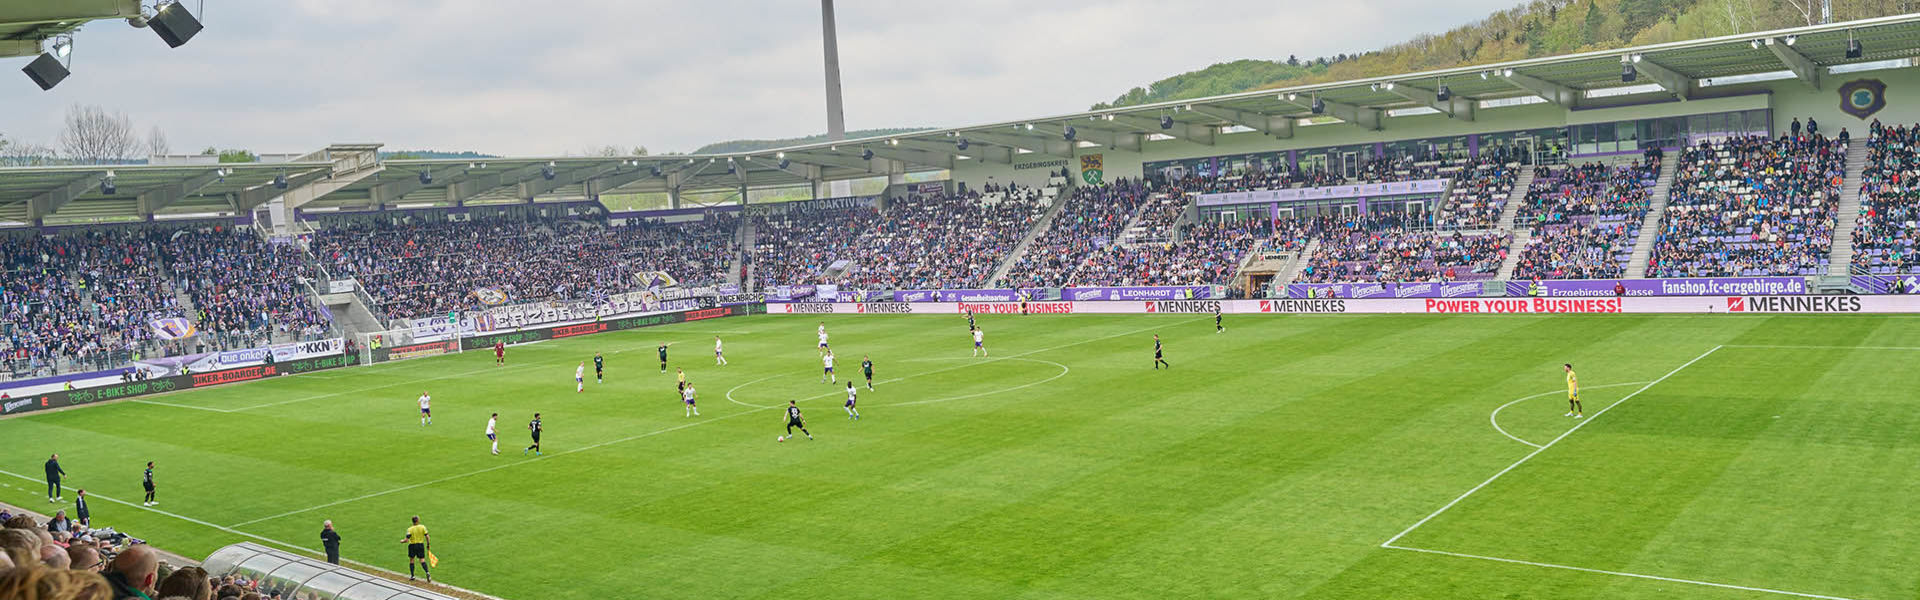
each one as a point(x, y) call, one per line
point(1883, 284)
point(1008, 295)
point(1331, 192)
point(1190, 292)
point(1698, 286)
point(1421, 289)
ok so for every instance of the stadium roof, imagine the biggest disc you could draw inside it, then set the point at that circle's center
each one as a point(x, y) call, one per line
point(25, 23)
point(357, 179)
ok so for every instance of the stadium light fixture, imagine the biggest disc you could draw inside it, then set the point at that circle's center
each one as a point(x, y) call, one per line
point(1166, 122)
point(1854, 49)
point(1373, 87)
point(63, 45)
point(547, 173)
point(46, 71)
point(1443, 94)
point(656, 171)
point(1029, 127)
point(780, 155)
point(1627, 73)
point(173, 23)
point(784, 163)
point(1389, 86)
point(1291, 96)
point(1485, 74)
point(280, 180)
point(426, 178)
point(961, 144)
point(1068, 133)
point(866, 154)
point(1508, 72)
point(1319, 106)
point(1791, 39)
point(106, 185)
point(1636, 57)
point(1755, 44)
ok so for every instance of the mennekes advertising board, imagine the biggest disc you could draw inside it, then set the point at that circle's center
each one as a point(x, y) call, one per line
point(1765, 304)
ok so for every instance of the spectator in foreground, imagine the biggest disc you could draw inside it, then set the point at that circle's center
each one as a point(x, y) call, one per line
point(55, 557)
point(34, 583)
point(187, 582)
point(133, 572)
point(20, 545)
point(84, 557)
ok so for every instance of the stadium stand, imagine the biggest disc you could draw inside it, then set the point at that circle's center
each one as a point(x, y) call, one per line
point(1584, 219)
point(797, 248)
point(1388, 247)
point(941, 241)
point(86, 300)
point(425, 269)
point(1751, 205)
point(1093, 217)
point(1888, 229)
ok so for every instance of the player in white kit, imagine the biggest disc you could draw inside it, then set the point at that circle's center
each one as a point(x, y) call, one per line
point(719, 353)
point(687, 395)
point(491, 437)
point(852, 396)
point(426, 409)
point(979, 342)
point(827, 376)
point(580, 378)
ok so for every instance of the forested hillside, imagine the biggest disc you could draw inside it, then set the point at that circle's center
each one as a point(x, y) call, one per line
point(1535, 29)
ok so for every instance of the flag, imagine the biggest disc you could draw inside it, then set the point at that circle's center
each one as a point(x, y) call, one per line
point(433, 562)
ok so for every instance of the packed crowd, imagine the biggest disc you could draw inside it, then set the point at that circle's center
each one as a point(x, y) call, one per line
point(66, 557)
point(942, 241)
point(1092, 218)
point(1585, 219)
point(1479, 193)
point(86, 300)
point(1391, 247)
point(1887, 234)
point(420, 269)
point(797, 248)
point(1751, 206)
point(1203, 254)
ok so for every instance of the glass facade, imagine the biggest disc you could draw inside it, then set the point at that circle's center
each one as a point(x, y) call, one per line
point(1667, 132)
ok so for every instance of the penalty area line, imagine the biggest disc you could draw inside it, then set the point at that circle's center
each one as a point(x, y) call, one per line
point(1543, 448)
point(1530, 563)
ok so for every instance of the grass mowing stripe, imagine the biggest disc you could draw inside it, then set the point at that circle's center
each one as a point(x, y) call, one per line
point(1621, 573)
point(1523, 460)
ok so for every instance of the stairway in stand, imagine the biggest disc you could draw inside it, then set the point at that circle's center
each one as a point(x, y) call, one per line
point(1650, 226)
point(1057, 189)
point(1840, 258)
point(1520, 238)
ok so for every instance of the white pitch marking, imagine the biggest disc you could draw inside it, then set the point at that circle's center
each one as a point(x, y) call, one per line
point(1495, 417)
point(1794, 347)
point(159, 403)
point(1618, 573)
point(1523, 460)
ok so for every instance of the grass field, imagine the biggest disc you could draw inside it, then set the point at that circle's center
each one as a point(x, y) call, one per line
point(1291, 457)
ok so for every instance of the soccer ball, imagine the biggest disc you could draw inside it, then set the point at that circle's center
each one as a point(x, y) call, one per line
point(780, 439)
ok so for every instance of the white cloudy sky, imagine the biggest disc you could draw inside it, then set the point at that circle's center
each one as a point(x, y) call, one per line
point(546, 78)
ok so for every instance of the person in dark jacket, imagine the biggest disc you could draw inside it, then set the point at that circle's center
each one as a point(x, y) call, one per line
point(330, 539)
point(53, 479)
point(80, 512)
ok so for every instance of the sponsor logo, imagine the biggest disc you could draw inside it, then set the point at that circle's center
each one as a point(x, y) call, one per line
point(1328, 305)
point(16, 405)
point(419, 350)
point(233, 375)
point(584, 329)
point(897, 308)
point(1799, 304)
point(742, 298)
point(1013, 308)
point(820, 308)
point(1183, 306)
point(1408, 290)
point(1524, 305)
point(1149, 294)
point(711, 313)
point(1055, 308)
point(1093, 294)
point(318, 347)
point(1736, 304)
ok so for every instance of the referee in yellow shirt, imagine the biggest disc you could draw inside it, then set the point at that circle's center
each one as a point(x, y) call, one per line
point(417, 544)
point(1573, 393)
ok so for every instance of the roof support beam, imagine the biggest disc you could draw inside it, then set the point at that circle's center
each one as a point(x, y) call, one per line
point(1034, 144)
point(465, 189)
point(1565, 97)
point(1802, 67)
point(909, 155)
point(1366, 118)
point(1681, 86)
point(1090, 133)
point(260, 194)
point(1279, 126)
point(1455, 106)
point(979, 152)
point(827, 159)
point(387, 193)
point(532, 188)
point(49, 202)
point(152, 200)
point(1198, 134)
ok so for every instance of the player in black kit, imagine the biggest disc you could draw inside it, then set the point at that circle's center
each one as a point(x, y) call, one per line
point(795, 421)
point(1157, 360)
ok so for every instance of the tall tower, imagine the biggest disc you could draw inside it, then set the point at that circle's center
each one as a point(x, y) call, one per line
point(836, 120)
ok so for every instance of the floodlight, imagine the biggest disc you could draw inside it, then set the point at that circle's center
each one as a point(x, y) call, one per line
point(866, 154)
point(1854, 50)
point(1627, 74)
point(1068, 133)
point(106, 185)
point(1166, 122)
point(280, 181)
point(961, 144)
point(426, 178)
point(1319, 106)
point(63, 46)
point(1443, 94)
point(173, 23)
point(46, 71)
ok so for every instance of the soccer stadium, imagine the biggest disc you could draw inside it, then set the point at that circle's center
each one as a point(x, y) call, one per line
point(1617, 323)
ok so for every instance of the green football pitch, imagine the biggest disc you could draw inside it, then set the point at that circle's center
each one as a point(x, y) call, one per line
point(1290, 457)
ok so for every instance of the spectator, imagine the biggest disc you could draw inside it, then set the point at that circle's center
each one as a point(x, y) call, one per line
point(1751, 206)
point(84, 557)
point(80, 511)
point(189, 582)
point(54, 557)
point(27, 582)
point(59, 523)
point(132, 573)
point(53, 478)
point(20, 545)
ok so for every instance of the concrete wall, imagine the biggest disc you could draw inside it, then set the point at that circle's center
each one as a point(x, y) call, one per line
point(1787, 98)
